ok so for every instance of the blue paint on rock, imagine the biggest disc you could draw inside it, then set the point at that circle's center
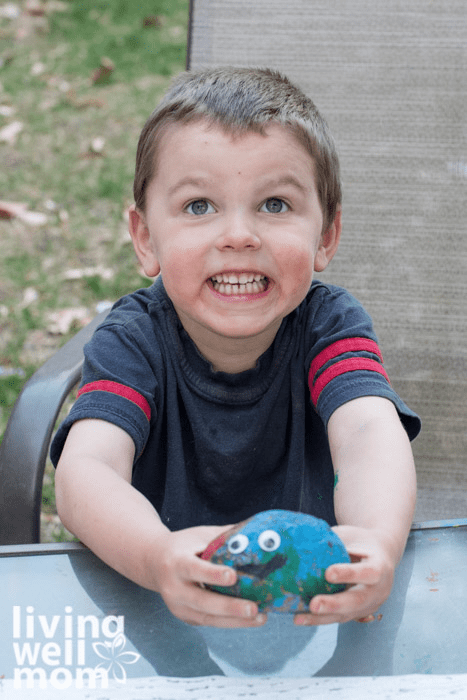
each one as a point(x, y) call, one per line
point(280, 557)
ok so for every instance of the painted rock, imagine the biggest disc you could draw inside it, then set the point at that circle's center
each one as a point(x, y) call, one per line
point(280, 558)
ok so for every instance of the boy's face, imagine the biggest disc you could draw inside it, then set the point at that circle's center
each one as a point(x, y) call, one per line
point(235, 226)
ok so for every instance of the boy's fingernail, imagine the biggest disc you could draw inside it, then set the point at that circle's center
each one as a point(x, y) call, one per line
point(250, 611)
point(261, 618)
point(229, 578)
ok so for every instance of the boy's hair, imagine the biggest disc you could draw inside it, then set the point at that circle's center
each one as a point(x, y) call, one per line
point(240, 100)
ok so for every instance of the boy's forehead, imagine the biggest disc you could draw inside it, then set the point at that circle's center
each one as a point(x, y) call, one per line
point(272, 131)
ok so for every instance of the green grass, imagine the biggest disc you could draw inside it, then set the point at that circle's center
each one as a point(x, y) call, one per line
point(114, 29)
point(48, 67)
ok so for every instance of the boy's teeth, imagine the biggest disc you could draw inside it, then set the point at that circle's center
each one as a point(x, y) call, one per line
point(245, 282)
point(232, 278)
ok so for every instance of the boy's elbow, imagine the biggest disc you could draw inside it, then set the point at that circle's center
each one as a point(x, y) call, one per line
point(61, 494)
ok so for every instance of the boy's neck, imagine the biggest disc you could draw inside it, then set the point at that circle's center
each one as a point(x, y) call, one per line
point(233, 363)
point(231, 355)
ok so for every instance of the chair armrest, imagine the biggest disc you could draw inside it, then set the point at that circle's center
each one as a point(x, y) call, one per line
point(25, 445)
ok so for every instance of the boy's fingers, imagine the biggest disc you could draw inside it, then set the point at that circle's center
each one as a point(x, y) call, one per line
point(362, 572)
point(219, 576)
point(191, 593)
point(203, 607)
point(201, 571)
point(354, 603)
point(207, 619)
point(330, 614)
point(224, 606)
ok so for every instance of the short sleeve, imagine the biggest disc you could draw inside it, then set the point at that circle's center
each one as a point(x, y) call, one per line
point(118, 385)
point(344, 361)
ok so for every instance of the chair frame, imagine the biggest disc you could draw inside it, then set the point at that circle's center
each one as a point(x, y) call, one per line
point(25, 445)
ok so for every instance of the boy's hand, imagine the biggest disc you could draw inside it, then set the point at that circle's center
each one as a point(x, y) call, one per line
point(369, 578)
point(179, 575)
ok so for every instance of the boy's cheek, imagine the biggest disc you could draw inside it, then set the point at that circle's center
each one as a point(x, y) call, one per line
point(297, 274)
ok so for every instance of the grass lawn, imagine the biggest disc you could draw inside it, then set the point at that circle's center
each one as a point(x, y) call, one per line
point(78, 78)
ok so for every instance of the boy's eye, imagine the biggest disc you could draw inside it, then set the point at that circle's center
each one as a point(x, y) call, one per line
point(200, 206)
point(274, 205)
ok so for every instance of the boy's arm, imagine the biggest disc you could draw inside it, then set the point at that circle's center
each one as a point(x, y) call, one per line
point(96, 502)
point(374, 501)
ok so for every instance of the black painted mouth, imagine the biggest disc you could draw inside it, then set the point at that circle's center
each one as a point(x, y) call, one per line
point(262, 571)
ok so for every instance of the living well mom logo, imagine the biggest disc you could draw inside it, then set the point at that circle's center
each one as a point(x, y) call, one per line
point(68, 650)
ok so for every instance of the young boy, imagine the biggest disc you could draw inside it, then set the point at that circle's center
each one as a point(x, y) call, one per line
point(234, 384)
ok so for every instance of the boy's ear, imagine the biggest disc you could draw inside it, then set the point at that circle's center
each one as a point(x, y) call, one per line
point(142, 242)
point(329, 243)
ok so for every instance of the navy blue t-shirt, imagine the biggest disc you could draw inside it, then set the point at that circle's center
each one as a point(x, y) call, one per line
point(215, 448)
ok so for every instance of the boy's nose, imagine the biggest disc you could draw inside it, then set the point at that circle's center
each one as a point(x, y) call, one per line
point(238, 233)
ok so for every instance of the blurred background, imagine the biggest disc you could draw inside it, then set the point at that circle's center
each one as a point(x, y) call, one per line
point(78, 78)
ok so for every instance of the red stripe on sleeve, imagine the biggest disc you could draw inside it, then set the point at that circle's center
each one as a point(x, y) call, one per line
point(352, 364)
point(339, 348)
point(120, 390)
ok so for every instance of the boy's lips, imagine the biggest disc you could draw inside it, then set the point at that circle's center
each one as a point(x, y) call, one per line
point(242, 284)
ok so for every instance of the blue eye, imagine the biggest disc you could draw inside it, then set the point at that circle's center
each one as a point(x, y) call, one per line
point(200, 207)
point(274, 205)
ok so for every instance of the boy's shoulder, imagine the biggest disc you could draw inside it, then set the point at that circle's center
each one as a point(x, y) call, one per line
point(138, 308)
point(141, 324)
point(327, 305)
point(326, 293)
point(138, 301)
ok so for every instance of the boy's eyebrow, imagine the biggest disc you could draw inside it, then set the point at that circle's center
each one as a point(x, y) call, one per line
point(188, 181)
point(283, 181)
point(268, 183)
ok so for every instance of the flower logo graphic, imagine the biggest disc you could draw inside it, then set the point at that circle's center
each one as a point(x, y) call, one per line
point(114, 657)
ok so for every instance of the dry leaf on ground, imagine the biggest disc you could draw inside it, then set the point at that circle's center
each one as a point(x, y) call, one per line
point(98, 271)
point(30, 295)
point(155, 21)
point(11, 210)
point(6, 111)
point(34, 8)
point(61, 322)
point(103, 73)
point(10, 10)
point(10, 132)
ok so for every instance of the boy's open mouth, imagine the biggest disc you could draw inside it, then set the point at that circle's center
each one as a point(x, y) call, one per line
point(242, 283)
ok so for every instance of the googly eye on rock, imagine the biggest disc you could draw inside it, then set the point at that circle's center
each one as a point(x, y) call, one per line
point(280, 558)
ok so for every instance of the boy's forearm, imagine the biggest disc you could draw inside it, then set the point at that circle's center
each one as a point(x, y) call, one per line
point(111, 517)
point(375, 480)
point(374, 500)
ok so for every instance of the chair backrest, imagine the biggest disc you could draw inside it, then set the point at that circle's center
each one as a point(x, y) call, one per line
point(25, 444)
point(391, 79)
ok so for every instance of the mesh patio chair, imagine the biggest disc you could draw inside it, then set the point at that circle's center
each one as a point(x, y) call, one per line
point(390, 79)
point(24, 448)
